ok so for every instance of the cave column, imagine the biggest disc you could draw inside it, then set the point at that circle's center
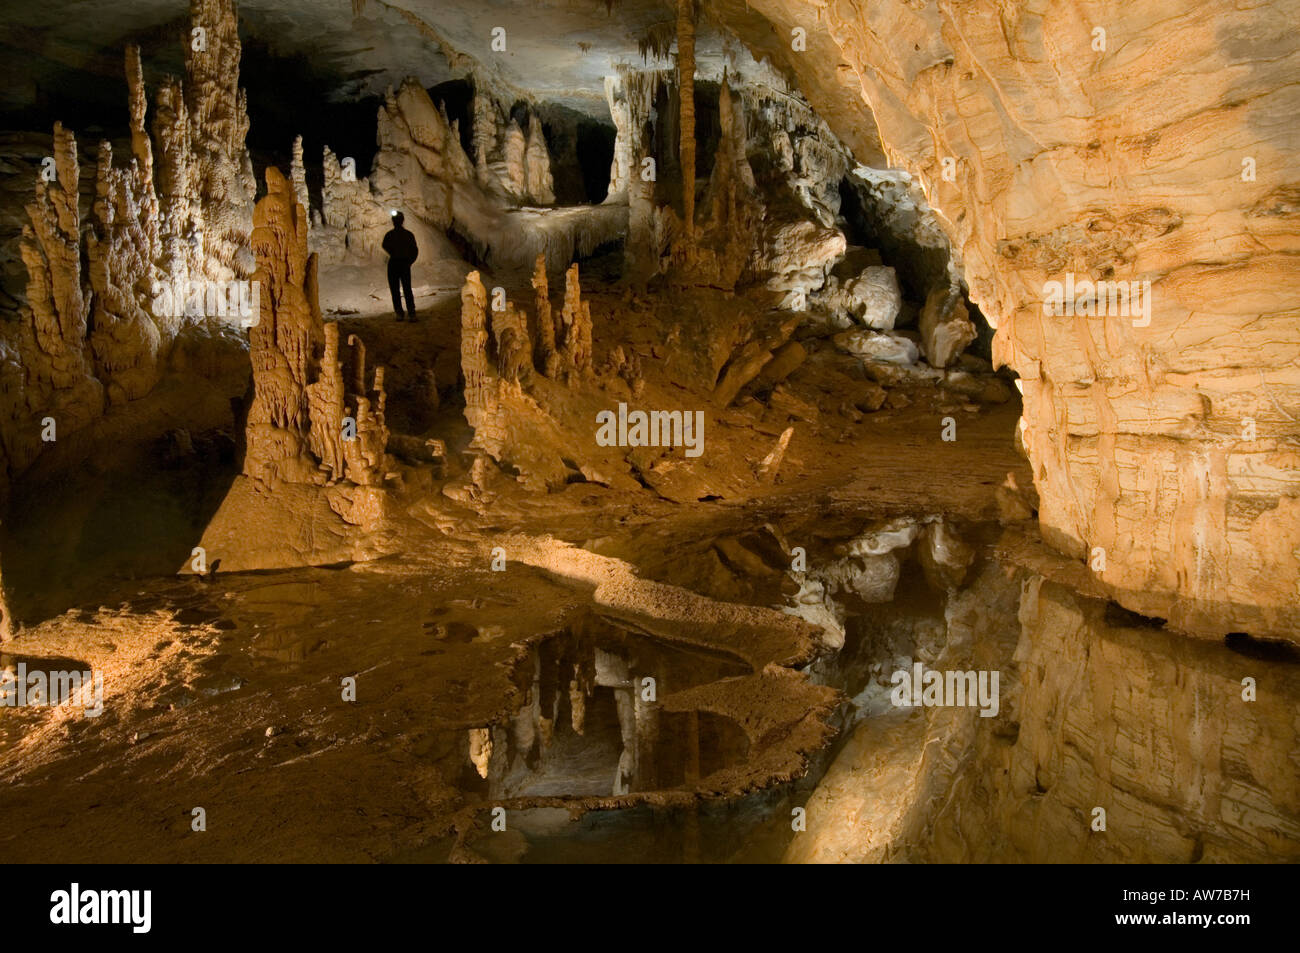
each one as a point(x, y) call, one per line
point(686, 86)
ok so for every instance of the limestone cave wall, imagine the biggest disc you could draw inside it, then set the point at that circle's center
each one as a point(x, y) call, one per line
point(1111, 142)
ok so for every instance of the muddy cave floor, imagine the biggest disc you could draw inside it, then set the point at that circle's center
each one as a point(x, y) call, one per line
point(225, 692)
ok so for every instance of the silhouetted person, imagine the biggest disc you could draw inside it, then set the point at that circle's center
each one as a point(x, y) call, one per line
point(402, 252)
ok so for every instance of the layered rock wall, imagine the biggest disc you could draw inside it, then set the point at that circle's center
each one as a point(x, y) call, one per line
point(1119, 142)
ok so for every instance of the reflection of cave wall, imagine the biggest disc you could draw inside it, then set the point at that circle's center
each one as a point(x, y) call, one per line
point(698, 743)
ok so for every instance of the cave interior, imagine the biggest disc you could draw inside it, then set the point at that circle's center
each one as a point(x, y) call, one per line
point(734, 491)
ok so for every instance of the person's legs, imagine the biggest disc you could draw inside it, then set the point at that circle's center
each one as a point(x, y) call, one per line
point(410, 296)
point(394, 277)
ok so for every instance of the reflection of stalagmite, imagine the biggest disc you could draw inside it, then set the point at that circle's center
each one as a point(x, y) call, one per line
point(480, 750)
point(646, 714)
point(626, 770)
point(547, 357)
point(771, 464)
point(577, 703)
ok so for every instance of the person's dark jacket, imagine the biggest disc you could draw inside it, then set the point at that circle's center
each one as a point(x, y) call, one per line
point(400, 245)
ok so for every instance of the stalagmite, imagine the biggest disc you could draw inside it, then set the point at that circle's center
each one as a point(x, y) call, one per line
point(548, 359)
point(355, 222)
point(295, 430)
point(181, 217)
point(298, 174)
point(283, 343)
point(484, 135)
point(61, 381)
point(125, 338)
point(576, 321)
point(144, 190)
point(514, 347)
point(476, 368)
point(515, 177)
point(358, 363)
point(222, 171)
point(325, 407)
point(537, 160)
point(945, 327)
